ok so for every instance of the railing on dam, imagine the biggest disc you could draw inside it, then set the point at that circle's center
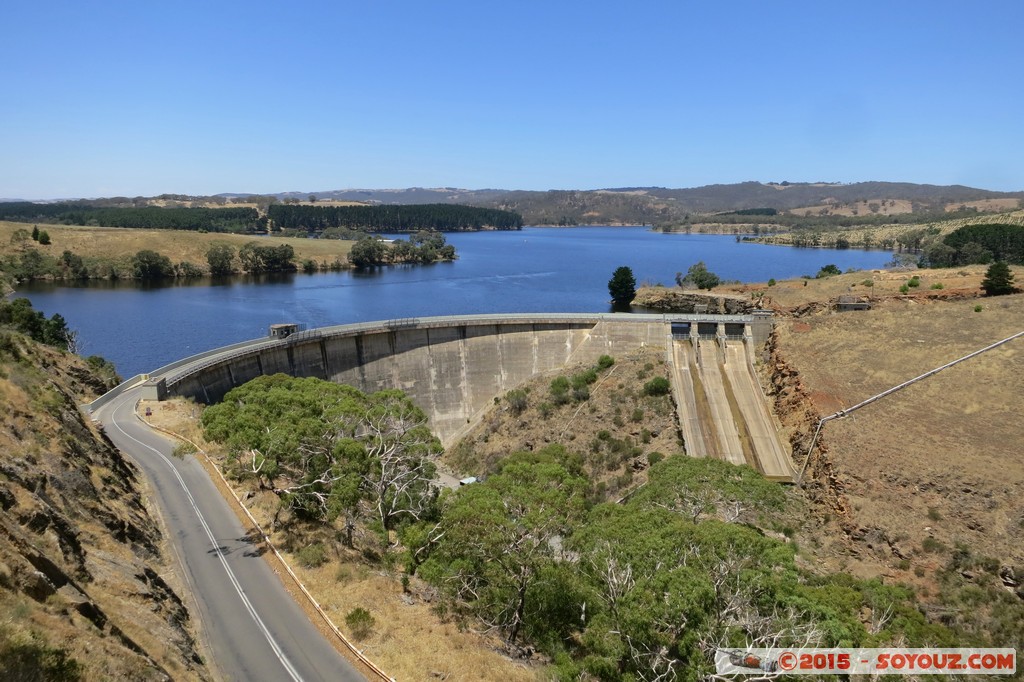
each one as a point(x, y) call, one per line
point(174, 372)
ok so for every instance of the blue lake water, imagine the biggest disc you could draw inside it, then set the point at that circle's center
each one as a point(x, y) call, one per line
point(141, 327)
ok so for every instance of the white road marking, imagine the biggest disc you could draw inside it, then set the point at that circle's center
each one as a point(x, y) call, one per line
point(289, 668)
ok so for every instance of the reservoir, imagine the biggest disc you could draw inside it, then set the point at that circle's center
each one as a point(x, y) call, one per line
point(143, 326)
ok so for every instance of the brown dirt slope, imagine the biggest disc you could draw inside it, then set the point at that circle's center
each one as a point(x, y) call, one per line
point(81, 564)
point(903, 480)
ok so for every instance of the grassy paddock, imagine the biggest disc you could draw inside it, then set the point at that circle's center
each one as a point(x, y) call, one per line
point(116, 243)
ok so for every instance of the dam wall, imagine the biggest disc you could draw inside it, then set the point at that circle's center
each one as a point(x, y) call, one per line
point(452, 368)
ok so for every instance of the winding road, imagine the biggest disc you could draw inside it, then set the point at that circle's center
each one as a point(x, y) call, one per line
point(251, 624)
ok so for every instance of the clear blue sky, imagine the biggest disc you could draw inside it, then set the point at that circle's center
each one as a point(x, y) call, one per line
point(141, 98)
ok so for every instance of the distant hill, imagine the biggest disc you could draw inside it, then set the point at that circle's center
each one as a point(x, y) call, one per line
point(650, 205)
point(654, 205)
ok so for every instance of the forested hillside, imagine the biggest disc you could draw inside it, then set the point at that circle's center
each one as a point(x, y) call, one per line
point(421, 208)
point(209, 219)
point(438, 217)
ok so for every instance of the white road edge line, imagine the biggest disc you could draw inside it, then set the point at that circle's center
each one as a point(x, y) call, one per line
point(292, 672)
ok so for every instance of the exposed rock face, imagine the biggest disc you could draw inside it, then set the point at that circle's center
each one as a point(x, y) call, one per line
point(683, 301)
point(81, 565)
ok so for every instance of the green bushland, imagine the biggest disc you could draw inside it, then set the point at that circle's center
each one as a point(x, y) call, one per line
point(666, 578)
point(328, 450)
point(976, 244)
point(150, 217)
point(421, 247)
point(378, 219)
point(17, 314)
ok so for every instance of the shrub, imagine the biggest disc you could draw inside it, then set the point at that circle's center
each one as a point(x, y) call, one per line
point(828, 271)
point(914, 281)
point(637, 416)
point(904, 289)
point(868, 283)
point(312, 556)
point(516, 399)
point(977, 308)
point(560, 390)
point(360, 622)
point(584, 378)
point(182, 449)
point(932, 546)
point(937, 285)
point(654, 457)
point(605, 361)
point(657, 386)
point(187, 269)
point(771, 282)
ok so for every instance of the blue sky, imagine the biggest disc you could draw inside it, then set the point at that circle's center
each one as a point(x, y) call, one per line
point(141, 98)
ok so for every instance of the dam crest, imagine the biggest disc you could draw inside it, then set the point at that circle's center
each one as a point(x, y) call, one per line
point(454, 367)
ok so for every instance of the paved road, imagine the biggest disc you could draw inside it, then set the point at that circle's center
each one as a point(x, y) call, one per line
point(254, 628)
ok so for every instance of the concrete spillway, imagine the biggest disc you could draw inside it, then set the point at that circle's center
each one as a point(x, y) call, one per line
point(771, 455)
point(722, 411)
point(453, 368)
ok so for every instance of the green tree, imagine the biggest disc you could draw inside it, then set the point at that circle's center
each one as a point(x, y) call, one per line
point(74, 266)
point(998, 279)
point(44, 238)
point(323, 448)
point(497, 539)
point(368, 252)
point(622, 286)
point(221, 259)
point(698, 275)
point(19, 315)
point(148, 264)
point(828, 271)
point(35, 233)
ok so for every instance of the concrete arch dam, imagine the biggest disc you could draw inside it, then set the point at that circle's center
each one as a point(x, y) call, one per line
point(454, 367)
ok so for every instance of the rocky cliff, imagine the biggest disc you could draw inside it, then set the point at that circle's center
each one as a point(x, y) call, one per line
point(84, 592)
point(687, 301)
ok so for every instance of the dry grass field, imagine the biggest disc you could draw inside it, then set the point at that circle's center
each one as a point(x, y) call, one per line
point(881, 232)
point(121, 243)
point(790, 294)
point(989, 205)
point(939, 463)
point(879, 207)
